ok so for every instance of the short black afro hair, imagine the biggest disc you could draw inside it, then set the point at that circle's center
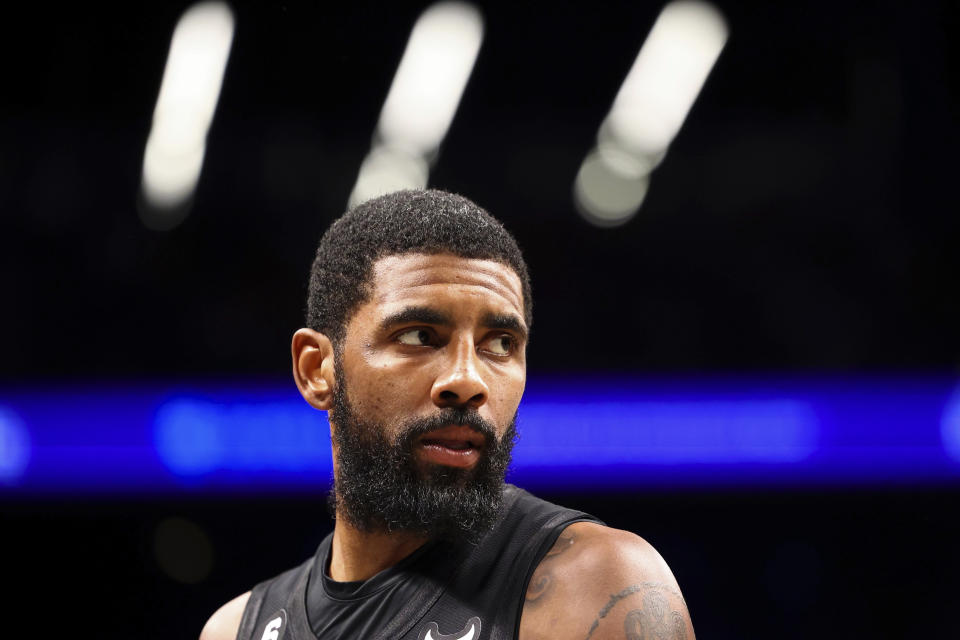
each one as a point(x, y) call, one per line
point(427, 221)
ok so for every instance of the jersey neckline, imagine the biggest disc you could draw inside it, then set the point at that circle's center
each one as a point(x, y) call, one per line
point(361, 589)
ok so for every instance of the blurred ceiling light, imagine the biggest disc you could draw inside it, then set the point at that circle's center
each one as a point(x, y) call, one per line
point(188, 97)
point(387, 169)
point(667, 75)
point(649, 110)
point(422, 100)
point(604, 194)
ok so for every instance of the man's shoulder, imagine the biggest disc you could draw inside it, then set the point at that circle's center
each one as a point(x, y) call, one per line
point(593, 553)
point(598, 582)
point(225, 622)
point(603, 549)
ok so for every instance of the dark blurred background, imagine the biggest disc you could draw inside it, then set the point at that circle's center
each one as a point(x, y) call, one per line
point(804, 221)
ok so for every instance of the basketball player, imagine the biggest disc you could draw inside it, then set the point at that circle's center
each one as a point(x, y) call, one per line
point(418, 316)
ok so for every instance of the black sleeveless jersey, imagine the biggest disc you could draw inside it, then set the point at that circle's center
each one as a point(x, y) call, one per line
point(443, 591)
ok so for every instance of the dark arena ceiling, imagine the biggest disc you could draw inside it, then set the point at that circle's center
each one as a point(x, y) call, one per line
point(804, 218)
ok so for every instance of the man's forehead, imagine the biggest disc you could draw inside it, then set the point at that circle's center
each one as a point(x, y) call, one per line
point(396, 277)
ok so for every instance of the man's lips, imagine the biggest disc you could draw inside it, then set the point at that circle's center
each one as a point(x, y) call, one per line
point(456, 436)
point(454, 446)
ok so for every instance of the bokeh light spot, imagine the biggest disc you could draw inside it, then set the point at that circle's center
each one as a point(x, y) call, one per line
point(183, 550)
point(14, 446)
point(950, 427)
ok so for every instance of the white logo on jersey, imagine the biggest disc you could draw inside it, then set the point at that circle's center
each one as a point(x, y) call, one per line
point(469, 632)
point(272, 630)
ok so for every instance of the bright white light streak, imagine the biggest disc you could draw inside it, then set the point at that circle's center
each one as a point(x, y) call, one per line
point(654, 100)
point(185, 106)
point(386, 169)
point(605, 194)
point(432, 75)
point(667, 76)
point(422, 100)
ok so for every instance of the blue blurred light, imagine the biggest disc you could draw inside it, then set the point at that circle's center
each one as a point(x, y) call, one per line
point(196, 436)
point(582, 434)
point(950, 426)
point(626, 431)
point(14, 447)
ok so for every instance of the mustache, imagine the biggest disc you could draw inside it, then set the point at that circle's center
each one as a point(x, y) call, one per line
point(417, 427)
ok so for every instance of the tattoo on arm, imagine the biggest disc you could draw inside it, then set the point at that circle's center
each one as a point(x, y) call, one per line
point(542, 578)
point(654, 620)
point(540, 583)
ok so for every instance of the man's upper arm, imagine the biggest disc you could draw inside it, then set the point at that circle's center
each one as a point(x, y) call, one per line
point(598, 583)
point(225, 622)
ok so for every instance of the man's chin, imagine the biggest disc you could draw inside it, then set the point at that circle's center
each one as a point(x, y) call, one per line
point(446, 504)
point(438, 487)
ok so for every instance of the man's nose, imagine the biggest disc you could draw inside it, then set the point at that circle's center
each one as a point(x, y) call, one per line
point(460, 383)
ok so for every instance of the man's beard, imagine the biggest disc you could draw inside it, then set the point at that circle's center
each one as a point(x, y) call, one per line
point(381, 486)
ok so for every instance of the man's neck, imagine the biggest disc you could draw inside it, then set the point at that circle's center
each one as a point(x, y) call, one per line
point(357, 555)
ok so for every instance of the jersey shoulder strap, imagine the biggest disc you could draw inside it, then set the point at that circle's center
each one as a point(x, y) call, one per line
point(490, 584)
point(266, 616)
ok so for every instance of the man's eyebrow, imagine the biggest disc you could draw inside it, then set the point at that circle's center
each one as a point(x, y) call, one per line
point(505, 321)
point(426, 315)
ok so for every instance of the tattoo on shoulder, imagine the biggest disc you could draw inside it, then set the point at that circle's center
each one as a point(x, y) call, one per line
point(542, 578)
point(654, 620)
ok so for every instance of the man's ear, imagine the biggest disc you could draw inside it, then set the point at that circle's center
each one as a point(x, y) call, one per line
point(313, 367)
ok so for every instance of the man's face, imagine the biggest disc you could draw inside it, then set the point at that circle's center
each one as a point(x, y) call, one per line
point(429, 377)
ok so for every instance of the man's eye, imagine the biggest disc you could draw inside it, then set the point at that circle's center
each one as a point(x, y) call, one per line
point(414, 337)
point(501, 345)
